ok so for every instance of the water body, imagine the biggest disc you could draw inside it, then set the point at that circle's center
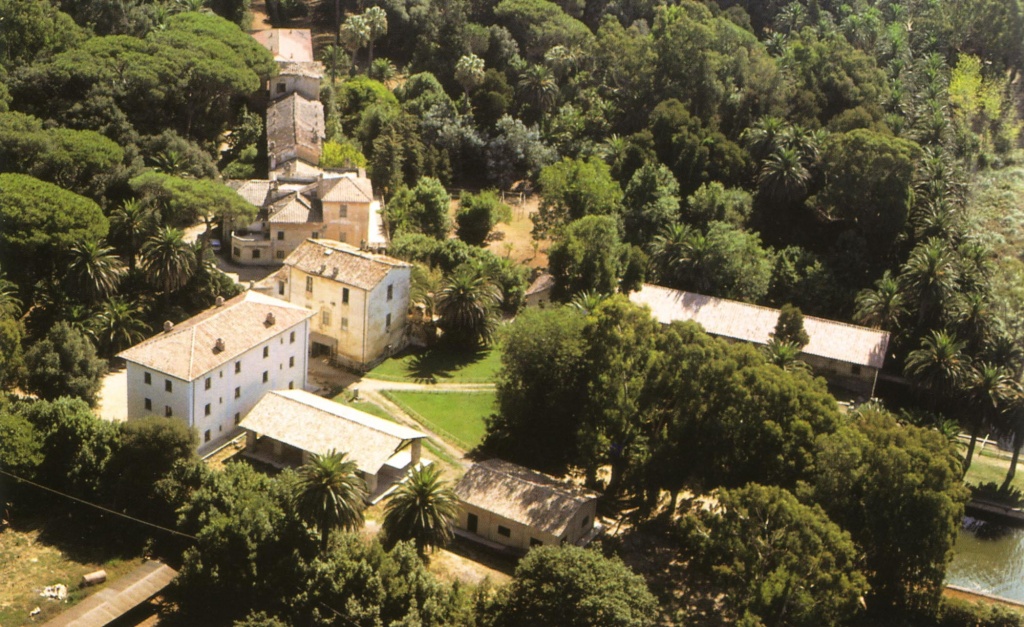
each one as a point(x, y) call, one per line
point(989, 558)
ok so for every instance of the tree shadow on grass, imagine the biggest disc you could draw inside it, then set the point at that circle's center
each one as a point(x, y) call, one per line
point(84, 535)
point(439, 364)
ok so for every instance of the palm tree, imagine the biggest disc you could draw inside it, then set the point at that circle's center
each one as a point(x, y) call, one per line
point(586, 302)
point(992, 393)
point(881, 307)
point(940, 369)
point(421, 509)
point(131, 224)
point(762, 138)
point(929, 280)
point(354, 34)
point(93, 271)
point(331, 494)
point(377, 25)
point(332, 57)
point(119, 325)
point(783, 175)
point(680, 255)
point(538, 87)
point(785, 355)
point(469, 72)
point(168, 260)
point(467, 306)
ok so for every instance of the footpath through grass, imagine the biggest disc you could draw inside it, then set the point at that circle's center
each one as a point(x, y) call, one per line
point(441, 365)
point(458, 417)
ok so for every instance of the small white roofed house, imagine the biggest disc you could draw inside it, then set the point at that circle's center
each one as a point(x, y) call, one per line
point(501, 503)
point(211, 369)
point(287, 426)
point(846, 355)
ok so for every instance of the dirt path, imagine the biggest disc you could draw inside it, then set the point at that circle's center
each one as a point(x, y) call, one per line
point(399, 414)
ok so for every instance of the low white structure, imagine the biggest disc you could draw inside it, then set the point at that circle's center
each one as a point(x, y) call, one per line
point(519, 508)
point(211, 369)
point(847, 355)
point(361, 300)
point(287, 426)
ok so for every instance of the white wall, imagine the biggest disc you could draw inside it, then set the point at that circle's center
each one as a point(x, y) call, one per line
point(188, 400)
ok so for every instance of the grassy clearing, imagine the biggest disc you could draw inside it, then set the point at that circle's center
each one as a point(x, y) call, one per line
point(987, 467)
point(456, 416)
point(31, 558)
point(441, 365)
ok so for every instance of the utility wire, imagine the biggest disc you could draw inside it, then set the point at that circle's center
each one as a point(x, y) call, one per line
point(99, 507)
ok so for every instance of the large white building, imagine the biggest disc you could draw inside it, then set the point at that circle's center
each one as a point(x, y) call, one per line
point(361, 300)
point(211, 369)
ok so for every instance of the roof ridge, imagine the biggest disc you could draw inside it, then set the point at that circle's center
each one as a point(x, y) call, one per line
point(374, 423)
point(192, 354)
point(559, 486)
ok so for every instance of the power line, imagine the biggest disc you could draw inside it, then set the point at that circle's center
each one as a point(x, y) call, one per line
point(99, 507)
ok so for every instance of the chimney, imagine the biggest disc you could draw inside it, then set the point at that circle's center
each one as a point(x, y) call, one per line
point(270, 318)
point(219, 301)
point(218, 346)
point(168, 325)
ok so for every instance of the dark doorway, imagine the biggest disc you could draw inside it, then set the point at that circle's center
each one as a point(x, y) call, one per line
point(471, 522)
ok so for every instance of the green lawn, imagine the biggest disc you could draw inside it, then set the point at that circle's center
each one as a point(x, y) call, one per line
point(986, 468)
point(456, 416)
point(441, 365)
point(376, 410)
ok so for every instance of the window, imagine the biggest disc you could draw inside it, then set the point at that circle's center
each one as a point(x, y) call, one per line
point(291, 337)
point(280, 88)
point(168, 386)
point(238, 367)
point(206, 410)
point(206, 436)
point(584, 522)
point(344, 324)
point(266, 376)
point(149, 404)
point(343, 238)
point(236, 251)
point(280, 255)
point(291, 385)
point(535, 542)
point(471, 523)
point(266, 352)
point(855, 369)
point(344, 296)
point(391, 292)
point(256, 253)
point(147, 378)
point(280, 236)
point(238, 417)
point(309, 284)
point(325, 317)
point(291, 362)
point(504, 531)
point(238, 392)
point(316, 234)
point(387, 323)
point(343, 211)
point(167, 411)
point(207, 383)
point(280, 288)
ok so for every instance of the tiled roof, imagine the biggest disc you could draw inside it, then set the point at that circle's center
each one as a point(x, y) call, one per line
point(342, 263)
point(287, 44)
point(293, 209)
point(189, 350)
point(525, 496)
point(346, 188)
point(751, 323)
point(318, 425)
point(310, 69)
point(294, 121)
point(254, 191)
